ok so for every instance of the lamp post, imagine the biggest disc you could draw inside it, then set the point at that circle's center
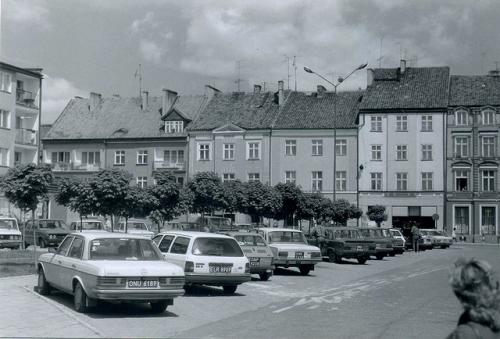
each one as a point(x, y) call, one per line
point(339, 81)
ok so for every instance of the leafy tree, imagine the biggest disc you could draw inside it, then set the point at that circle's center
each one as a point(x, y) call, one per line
point(377, 213)
point(138, 203)
point(343, 210)
point(262, 200)
point(235, 196)
point(208, 193)
point(168, 200)
point(78, 196)
point(290, 200)
point(309, 207)
point(26, 185)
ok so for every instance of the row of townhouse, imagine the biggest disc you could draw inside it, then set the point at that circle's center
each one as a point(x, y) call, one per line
point(417, 140)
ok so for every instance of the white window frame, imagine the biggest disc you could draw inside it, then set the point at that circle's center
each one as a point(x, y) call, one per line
point(174, 126)
point(469, 224)
point(427, 181)
point(377, 151)
point(142, 157)
point(4, 119)
point(402, 181)
point(4, 157)
point(290, 177)
point(253, 150)
point(207, 151)
point(170, 159)
point(401, 123)
point(461, 174)
point(89, 157)
point(461, 146)
point(375, 124)
point(317, 181)
point(488, 182)
point(402, 152)
point(6, 82)
point(376, 181)
point(461, 118)
point(290, 147)
point(317, 147)
point(490, 146)
point(142, 182)
point(426, 123)
point(481, 218)
point(228, 151)
point(426, 152)
point(488, 117)
point(119, 157)
point(341, 181)
point(341, 147)
point(253, 177)
point(228, 177)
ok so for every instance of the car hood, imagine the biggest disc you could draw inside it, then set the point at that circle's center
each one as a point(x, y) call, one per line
point(4, 231)
point(120, 268)
point(293, 247)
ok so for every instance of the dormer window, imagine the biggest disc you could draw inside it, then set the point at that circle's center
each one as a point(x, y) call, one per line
point(488, 117)
point(174, 126)
point(461, 118)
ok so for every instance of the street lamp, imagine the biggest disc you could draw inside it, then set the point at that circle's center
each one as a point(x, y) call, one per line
point(339, 81)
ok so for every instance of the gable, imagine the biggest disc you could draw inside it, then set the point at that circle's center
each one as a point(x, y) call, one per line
point(174, 115)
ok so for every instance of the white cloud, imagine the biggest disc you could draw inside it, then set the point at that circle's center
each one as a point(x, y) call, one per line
point(26, 13)
point(151, 51)
point(57, 92)
point(153, 38)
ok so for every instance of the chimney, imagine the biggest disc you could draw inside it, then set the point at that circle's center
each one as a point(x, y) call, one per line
point(402, 67)
point(145, 100)
point(370, 75)
point(95, 100)
point(281, 95)
point(256, 89)
point(321, 90)
point(168, 99)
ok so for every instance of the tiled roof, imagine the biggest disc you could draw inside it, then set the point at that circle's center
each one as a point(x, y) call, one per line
point(416, 88)
point(475, 90)
point(246, 110)
point(117, 118)
point(308, 111)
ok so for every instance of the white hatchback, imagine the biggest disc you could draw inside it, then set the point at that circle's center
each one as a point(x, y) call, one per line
point(207, 258)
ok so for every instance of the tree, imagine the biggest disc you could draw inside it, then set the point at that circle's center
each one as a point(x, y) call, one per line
point(25, 186)
point(309, 207)
point(138, 203)
point(290, 200)
point(208, 193)
point(377, 213)
point(168, 198)
point(78, 196)
point(234, 195)
point(343, 210)
point(262, 200)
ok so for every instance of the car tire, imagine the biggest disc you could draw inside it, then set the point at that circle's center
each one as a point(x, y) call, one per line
point(333, 257)
point(80, 299)
point(304, 269)
point(379, 256)
point(230, 289)
point(264, 276)
point(43, 286)
point(159, 306)
point(42, 243)
point(362, 260)
point(392, 254)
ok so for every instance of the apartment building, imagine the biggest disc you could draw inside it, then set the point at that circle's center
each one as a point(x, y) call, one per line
point(20, 104)
point(472, 159)
point(401, 144)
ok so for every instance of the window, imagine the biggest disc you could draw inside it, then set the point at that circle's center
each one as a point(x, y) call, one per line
point(91, 158)
point(341, 147)
point(401, 123)
point(142, 157)
point(461, 118)
point(401, 181)
point(228, 177)
point(488, 117)
point(462, 219)
point(291, 147)
point(290, 177)
point(63, 248)
point(317, 147)
point(173, 156)
point(76, 250)
point(376, 181)
point(488, 220)
point(174, 126)
point(488, 146)
point(461, 146)
point(18, 157)
point(5, 82)
point(119, 157)
point(4, 157)
point(461, 180)
point(401, 152)
point(228, 152)
point(203, 151)
point(488, 180)
point(426, 181)
point(60, 157)
point(180, 245)
point(142, 182)
point(426, 152)
point(253, 177)
point(317, 181)
point(4, 119)
point(376, 152)
point(165, 243)
point(253, 150)
point(341, 181)
point(376, 124)
point(426, 123)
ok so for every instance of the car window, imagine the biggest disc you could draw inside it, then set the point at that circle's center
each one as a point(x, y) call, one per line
point(286, 237)
point(157, 239)
point(180, 245)
point(123, 249)
point(220, 247)
point(250, 240)
point(165, 243)
point(63, 248)
point(137, 226)
point(76, 249)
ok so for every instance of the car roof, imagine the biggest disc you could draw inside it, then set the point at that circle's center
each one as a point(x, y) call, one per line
point(194, 234)
point(232, 234)
point(99, 235)
point(87, 219)
point(340, 227)
point(272, 229)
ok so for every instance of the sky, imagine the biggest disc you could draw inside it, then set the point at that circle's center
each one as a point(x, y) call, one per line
point(88, 46)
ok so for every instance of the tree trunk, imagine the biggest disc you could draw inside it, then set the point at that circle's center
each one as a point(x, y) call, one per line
point(24, 229)
point(112, 222)
point(34, 236)
point(126, 224)
point(81, 222)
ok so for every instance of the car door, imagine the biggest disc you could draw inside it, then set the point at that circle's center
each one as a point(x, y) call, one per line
point(178, 251)
point(72, 262)
point(54, 266)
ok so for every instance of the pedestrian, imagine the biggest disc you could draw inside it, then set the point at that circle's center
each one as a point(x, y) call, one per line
point(454, 234)
point(415, 235)
point(477, 290)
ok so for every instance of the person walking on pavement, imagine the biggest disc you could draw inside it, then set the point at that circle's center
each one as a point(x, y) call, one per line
point(415, 235)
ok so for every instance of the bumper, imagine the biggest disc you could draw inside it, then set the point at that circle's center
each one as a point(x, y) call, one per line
point(10, 243)
point(261, 269)
point(298, 262)
point(384, 251)
point(137, 295)
point(354, 254)
point(217, 279)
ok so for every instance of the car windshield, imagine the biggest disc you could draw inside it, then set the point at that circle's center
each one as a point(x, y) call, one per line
point(250, 240)
point(8, 224)
point(286, 236)
point(90, 225)
point(372, 233)
point(137, 226)
point(219, 247)
point(50, 224)
point(395, 233)
point(123, 249)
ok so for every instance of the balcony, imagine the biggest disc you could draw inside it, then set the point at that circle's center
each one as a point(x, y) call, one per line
point(75, 167)
point(179, 166)
point(25, 98)
point(26, 136)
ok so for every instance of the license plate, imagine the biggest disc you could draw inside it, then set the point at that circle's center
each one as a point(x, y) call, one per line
point(137, 283)
point(254, 262)
point(219, 269)
point(299, 255)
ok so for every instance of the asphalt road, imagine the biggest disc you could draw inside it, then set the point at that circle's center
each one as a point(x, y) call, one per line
point(406, 296)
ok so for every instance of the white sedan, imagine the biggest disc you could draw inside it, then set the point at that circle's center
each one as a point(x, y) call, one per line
point(113, 267)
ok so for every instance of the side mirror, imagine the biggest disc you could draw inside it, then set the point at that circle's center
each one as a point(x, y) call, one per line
point(52, 250)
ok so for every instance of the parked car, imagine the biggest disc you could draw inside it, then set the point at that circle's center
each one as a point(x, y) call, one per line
point(10, 236)
point(438, 238)
point(337, 243)
point(137, 227)
point(207, 258)
point(87, 225)
point(290, 249)
point(215, 223)
point(383, 245)
point(398, 241)
point(48, 232)
point(109, 266)
point(396, 234)
point(259, 254)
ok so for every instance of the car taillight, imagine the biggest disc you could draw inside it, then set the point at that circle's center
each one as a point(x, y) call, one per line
point(189, 267)
point(282, 254)
point(247, 268)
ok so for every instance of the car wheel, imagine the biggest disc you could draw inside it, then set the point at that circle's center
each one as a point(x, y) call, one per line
point(332, 257)
point(42, 243)
point(230, 289)
point(380, 256)
point(159, 306)
point(362, 260)
point(304, 270)
point(43, 286)
point(80, 299)
point(392, 254)
point(264, 276)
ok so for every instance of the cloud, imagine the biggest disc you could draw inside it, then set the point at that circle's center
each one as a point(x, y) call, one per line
point(26, 14)
point(56, 94)
point(150, 51)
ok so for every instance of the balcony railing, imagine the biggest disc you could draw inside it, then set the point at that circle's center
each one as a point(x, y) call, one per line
point(25, 98)
point(72, 167)
point(168, 165)
point(26, 136)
